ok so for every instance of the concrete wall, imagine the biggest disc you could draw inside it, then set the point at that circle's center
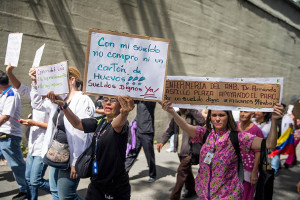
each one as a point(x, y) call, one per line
point(233, 38)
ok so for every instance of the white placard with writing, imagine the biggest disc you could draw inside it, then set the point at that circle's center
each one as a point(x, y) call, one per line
point(124, 64)
point(13, 49)
point(38, 56)
point(52, 78)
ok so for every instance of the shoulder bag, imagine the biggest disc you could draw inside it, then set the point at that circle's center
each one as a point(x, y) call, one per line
point(265, 183)
point(58, 154)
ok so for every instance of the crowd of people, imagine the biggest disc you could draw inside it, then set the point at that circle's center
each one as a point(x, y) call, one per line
point(73, 123)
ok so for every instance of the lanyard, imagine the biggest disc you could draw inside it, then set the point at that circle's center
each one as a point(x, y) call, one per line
point(103, 125)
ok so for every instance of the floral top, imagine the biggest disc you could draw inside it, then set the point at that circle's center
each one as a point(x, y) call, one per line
point(219, 180)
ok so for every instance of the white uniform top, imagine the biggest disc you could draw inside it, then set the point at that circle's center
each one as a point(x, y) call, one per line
point(36, 134)
point(78, 141)
point(10, 104)
point(265, 127)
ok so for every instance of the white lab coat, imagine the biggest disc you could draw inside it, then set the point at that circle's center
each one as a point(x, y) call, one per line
point(78, 141)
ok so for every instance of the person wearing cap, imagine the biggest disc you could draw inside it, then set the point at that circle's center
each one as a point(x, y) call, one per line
point(64, 183)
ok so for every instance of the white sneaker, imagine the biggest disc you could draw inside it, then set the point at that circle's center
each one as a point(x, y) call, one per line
point(169, 150)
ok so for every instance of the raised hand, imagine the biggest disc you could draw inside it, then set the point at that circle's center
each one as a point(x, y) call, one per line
point(278, 111)
point(32, 74)
point(9, 68)
point(166, 105)
point(126, 103)
point(55, 99)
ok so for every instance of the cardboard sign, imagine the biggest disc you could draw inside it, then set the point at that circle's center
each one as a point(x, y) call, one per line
point(296, 109)
point(224, 93)
point(13, 49)
point(53, 78)
point(38, 56)
point(125, 64)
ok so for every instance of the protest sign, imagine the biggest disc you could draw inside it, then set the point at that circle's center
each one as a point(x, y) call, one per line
point(251, 94)
point(53, 78)
point(125, 64)
point(13, 49)
point(38, 56)
point(296, 109)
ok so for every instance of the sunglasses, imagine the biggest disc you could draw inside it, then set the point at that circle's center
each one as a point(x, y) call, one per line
point(112, 100)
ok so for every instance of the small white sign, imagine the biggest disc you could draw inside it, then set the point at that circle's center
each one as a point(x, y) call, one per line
point(38, 56)
point(52, 78)
point(13, 49)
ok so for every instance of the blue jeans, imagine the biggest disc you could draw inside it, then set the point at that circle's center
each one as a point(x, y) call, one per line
point(11, 150)
point(275, 163)
point(62, 187)
point(35, 170)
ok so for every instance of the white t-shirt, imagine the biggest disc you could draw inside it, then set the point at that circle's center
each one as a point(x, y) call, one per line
point(36, 135)
point(10, 104)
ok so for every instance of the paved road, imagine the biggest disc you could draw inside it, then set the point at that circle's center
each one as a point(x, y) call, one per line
point(167, 164)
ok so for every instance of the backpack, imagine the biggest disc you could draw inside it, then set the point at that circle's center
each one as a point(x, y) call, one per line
point(235, 142)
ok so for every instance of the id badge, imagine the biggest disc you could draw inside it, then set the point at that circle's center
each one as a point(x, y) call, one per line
point(95, 167)
point(208, 157)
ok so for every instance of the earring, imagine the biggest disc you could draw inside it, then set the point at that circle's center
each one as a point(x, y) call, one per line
point(211, 125)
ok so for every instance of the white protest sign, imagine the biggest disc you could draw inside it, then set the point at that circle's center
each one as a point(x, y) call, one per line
point(247, 94)
point(125, 64)
point(13, 49)
point(53, 78)
point(38, 56)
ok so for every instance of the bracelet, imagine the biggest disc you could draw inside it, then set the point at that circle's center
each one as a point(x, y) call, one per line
point(65, 106)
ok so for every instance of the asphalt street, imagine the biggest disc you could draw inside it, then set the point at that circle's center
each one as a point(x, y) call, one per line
point(167, 163)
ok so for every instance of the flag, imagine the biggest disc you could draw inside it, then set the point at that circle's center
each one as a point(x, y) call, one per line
point(285, 143)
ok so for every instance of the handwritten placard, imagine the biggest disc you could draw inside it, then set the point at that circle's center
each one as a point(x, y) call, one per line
point(224, 93)
point(296, 109)
point(38, 56)
point(120, 63)
point(13, 49)
point(53, 78)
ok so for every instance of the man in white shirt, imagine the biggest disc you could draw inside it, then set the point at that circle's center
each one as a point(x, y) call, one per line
point(35, 168)
point(11, 132)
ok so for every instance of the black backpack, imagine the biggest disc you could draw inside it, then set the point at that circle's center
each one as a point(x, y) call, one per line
point(195, 151)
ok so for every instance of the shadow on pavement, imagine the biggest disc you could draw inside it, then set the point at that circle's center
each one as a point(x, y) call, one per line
point(161, 172)
point(285, 183)
point(7, 176)
point(9, 193)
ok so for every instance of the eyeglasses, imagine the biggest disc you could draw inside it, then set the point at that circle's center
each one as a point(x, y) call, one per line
point(112, 100)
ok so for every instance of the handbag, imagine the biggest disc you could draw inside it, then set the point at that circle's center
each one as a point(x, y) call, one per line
point(195, 153)
point(58, 154)
point(83, 165)
point(84, 162)
point(265, 183)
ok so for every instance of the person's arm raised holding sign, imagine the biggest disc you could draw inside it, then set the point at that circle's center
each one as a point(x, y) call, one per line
point(218, 161)
point(109, 145)
point(60, 130)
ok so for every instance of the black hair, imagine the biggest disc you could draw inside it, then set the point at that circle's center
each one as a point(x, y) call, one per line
point(4, 80)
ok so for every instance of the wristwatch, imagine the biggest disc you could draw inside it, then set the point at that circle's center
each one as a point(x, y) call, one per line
point(65, 106)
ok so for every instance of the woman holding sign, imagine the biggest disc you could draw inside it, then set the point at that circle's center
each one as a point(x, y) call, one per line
point(109, 179)
point(63, 183)
point(218, 165)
